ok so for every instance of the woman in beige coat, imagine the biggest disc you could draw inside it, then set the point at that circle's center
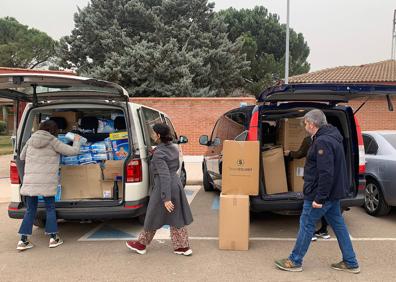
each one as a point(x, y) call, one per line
point(41, 154)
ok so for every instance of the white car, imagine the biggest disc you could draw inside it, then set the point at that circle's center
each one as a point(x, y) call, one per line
point(95, 109)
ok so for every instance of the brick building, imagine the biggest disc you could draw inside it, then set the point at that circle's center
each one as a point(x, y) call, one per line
point(196, 116)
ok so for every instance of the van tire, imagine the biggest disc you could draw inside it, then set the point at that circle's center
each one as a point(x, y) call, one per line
point(206, 180)
point(373, 191)
point(39, 222)
point(183, 177)
point(141, 219)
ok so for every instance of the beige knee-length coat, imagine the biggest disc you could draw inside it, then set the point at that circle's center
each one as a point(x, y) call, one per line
point(41, 154)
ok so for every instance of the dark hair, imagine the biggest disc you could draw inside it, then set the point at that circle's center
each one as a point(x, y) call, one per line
point(49, 126)
point(164, 131)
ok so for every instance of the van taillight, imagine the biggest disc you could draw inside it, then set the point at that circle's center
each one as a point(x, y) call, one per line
point(14, 176)
point(362, 157)
point(253, 127)
point(134, 171)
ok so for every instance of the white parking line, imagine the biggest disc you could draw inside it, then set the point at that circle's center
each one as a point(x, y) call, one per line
point(294, 239)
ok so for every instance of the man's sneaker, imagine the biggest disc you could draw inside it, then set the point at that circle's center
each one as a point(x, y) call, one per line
point(314, 238)
point(183, 251)
point(288, 265)
point(136, 247)
point(344, 267)
point(323, 235)
point(55, 242)
point(24, 245)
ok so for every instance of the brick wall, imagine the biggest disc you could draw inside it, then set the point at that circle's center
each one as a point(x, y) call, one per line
point(193, 117)
point(374, 115)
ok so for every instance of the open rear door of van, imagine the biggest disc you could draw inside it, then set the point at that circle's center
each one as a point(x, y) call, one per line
point(38, 88)
point(332, 93)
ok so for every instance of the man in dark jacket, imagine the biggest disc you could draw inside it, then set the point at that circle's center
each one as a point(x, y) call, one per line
point(299, 154)
point(325, 184)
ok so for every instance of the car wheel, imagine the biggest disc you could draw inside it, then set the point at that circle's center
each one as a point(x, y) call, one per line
point(183, 177)
point(374, 202)
point(39, 222)
point(206, 180)
point(141, 218)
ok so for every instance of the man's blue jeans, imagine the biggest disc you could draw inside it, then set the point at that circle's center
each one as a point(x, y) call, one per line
point(332, 212)
point(51, 226)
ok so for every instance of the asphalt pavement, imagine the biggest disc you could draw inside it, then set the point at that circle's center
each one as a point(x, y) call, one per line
point(95, 251)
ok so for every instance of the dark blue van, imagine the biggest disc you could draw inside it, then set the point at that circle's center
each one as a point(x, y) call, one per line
point(261, 121)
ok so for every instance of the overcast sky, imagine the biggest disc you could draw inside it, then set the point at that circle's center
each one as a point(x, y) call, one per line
point(338, 32)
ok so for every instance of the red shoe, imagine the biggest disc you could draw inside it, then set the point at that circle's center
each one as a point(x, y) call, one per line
point(183, 251)
point(136, 247)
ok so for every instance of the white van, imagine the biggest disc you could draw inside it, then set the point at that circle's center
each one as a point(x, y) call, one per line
point(95, 185)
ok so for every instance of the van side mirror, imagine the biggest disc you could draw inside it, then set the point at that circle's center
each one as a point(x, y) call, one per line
point(204, 140)
point(182, 139)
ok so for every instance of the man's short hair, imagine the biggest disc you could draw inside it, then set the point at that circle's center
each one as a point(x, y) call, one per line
point(317, 117)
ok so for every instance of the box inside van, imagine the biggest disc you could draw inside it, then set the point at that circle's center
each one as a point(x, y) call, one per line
point(283, 130)
point(97, 172)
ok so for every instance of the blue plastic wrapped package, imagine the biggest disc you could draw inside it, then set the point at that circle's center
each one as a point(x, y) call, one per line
point(69, 160)
point(99, 156)
point(58, 195)
point(85, 149)
point(98, 147)
point(63, 139)
point(106, 126)
point(85, 158)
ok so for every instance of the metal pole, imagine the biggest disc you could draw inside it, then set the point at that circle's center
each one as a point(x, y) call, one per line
point(287, 44)
point(393, 55)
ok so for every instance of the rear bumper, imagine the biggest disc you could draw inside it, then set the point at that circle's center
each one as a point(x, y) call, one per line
point(257, 204)
point(127, 210)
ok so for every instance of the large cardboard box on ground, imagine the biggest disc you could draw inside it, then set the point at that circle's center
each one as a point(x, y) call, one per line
point(70, 117)
point(81, 182)
point(274, 171)
point(295, 175)
point(291, 133)
point(234, 222)
point(112, 169)
point(241, 165)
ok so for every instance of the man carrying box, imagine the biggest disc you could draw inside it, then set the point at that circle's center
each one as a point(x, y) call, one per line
point(325, 184)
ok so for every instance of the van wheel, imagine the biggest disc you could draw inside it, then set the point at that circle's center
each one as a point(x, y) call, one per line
point(206, 180)
point(39, 222)
point(183, 177)
point(374, 202)
point(141, 219)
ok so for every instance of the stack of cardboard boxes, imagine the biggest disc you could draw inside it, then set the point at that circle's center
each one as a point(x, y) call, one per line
point(92, 181)
point(240, 175)
point(290, 135)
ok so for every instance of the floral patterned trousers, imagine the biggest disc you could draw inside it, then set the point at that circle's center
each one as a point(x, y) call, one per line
point(179, 237)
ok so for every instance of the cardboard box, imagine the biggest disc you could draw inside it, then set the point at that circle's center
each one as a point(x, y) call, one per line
point(291, 133)
point(241, 165)
point(234, 222)
point(112, 169)
point(81, 182)
point(70, 117)
point(107, 189)
point(274, 171)
point(295, 175)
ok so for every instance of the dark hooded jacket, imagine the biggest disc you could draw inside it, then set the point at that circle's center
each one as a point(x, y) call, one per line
point(325, 172)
